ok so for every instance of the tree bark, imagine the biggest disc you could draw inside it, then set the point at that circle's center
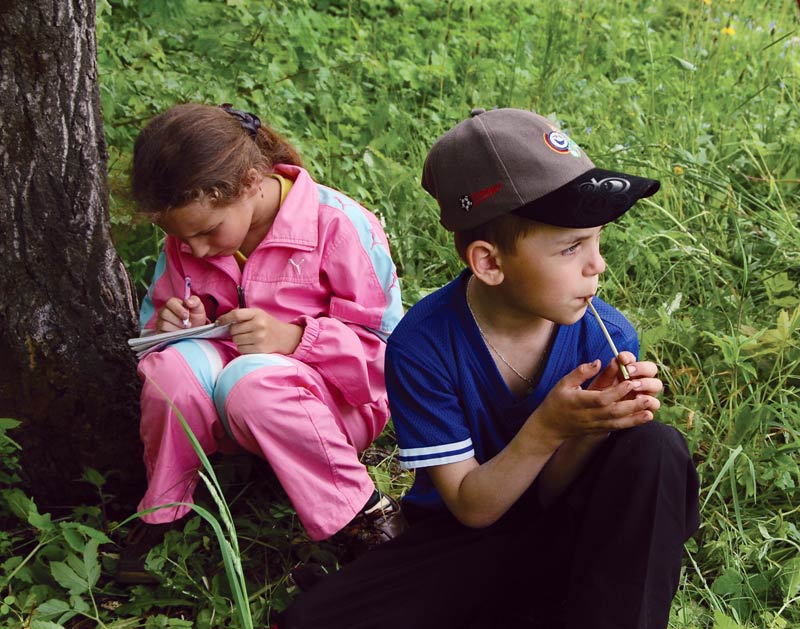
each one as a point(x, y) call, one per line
point(66, 302)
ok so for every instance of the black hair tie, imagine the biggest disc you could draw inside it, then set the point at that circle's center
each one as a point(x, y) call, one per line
point(250, 122)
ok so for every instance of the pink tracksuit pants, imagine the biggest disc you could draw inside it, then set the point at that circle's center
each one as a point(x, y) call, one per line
point(269, 404)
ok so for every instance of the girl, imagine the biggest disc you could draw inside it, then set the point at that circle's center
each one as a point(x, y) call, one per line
point(304, 276)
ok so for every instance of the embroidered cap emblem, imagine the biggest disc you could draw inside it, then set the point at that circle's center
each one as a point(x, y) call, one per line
point(557, 141)
point(469, 200)
point(560, 143)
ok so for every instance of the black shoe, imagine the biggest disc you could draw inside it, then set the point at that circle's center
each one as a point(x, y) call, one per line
point(306, 575)
point(141, 539)
point(371, 528)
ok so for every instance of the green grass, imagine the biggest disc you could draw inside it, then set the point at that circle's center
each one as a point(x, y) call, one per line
point(703, 96)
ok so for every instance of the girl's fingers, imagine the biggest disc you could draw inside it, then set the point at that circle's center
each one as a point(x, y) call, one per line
point(171, 316)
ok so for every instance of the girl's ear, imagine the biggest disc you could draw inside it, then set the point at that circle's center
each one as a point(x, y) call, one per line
point(252, 181)
point(483, 258)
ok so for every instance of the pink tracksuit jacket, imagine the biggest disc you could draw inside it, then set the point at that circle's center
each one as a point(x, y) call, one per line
point(325, 264)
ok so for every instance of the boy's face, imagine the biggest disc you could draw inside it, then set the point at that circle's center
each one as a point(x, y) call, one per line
point(552, 272)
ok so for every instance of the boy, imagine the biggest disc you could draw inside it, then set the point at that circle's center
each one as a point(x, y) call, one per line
point(545, 495)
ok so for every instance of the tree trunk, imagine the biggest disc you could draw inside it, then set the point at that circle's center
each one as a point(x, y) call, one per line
point(66, 301)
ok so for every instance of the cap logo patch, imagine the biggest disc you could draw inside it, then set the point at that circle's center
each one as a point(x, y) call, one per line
point(560, 143)
point(469, 200)
point(609, 185)
point(611, 192)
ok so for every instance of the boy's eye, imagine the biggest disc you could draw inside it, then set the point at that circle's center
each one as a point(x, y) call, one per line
point(570, 250)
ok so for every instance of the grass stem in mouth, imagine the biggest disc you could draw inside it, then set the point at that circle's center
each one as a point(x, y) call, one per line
point(624, 371)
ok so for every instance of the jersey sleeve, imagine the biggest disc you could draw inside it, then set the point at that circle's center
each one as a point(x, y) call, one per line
point(429, 421)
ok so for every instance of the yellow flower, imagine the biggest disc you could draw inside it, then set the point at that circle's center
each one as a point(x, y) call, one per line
point(678, 170)
point(728, 30)
point(706, 1)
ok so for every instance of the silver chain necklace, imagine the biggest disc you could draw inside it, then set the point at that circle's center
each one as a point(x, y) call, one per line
point(530, 381)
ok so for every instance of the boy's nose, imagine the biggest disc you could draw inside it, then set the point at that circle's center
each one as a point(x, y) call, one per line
point(597, 264)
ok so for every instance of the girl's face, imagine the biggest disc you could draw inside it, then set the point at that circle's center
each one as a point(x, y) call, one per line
point(209, 230)
point(553, 272)
point(220, 230)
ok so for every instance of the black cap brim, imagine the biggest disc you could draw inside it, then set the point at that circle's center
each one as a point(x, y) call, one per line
point(594, 198)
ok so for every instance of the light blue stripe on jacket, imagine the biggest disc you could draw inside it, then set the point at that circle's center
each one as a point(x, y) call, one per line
point(147, 310)
point(378, 255)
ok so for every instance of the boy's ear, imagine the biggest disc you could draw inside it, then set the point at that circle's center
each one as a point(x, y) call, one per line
point(483, 259)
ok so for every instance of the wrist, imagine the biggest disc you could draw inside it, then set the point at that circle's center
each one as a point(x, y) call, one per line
point(539, 438)
point(292, 338)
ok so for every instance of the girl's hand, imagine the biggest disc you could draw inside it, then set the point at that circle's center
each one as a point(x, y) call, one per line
point(175, 312)
point(256, 332)
point(609, 404)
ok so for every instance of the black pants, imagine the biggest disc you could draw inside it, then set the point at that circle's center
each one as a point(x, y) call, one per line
point(606, 555)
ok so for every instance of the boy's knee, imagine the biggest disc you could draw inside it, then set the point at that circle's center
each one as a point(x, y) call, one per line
point(648, 446)
point(652, 435)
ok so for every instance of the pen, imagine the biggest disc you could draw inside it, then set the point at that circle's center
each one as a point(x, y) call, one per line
point(240, 294)
point(187, 292)
point(624, 371)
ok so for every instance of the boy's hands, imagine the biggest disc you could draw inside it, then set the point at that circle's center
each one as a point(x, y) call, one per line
point(644, 371)
point(610, 403)
point(256, 332)
point(176, 311)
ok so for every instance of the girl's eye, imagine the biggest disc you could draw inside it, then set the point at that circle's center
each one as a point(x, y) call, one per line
point(570, 250)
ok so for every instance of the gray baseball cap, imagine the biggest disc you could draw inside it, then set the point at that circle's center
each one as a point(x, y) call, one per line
point(506, 161)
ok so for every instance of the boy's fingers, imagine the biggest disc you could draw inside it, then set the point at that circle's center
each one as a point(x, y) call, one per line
point(581, 374)
point(617, 392)
point(626, 358)
point(628, 421)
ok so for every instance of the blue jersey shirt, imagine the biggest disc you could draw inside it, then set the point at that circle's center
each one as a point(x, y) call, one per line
point(448, 400)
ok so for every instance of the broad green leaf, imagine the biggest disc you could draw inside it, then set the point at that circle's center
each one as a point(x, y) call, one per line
point(728, 583)
point(6, 423)
point(74, 562)
point(18, 502)
point(91, 475)
point(721, 621)
point(45, 624)
point(90, 532)
point(791, 578)
point(68, 578)
point(51, 608)
point(91, 564)
point(74, 539)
